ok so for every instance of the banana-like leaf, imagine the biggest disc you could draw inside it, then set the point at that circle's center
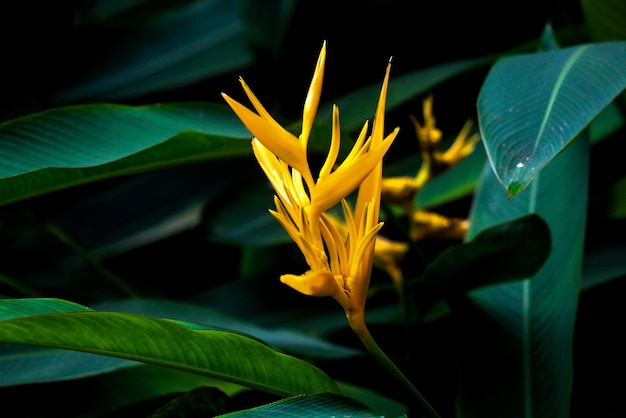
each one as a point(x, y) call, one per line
point(503, 252)
point(27, 364)
point(68, 146)
point(315, 405)
point(192, 347)
point(517, 357)
point(532, 106)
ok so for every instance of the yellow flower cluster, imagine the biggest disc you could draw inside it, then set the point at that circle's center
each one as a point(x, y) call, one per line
point(403, 190)
point(339, 254)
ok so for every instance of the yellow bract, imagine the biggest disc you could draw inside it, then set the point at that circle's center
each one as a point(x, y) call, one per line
point(340, 263)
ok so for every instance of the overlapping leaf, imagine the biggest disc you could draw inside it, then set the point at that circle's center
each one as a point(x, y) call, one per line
point(521, 333)
point(191, 347)
point(532, 106)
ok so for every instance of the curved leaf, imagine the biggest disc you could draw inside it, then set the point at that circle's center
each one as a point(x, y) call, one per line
point(532, 106)
point(228, 356)
point(74, 145)
point(316, 405)
point(22, 364)
point(27, 364)
point(15, 308)
point(504, 252)
point(518, 348)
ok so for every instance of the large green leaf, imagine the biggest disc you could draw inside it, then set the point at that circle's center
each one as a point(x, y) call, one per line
point(204, 38)
point(532, 106)
point(191, 347)
point(315, 405)
point(27, 364)
point(517, 356)
point(504, 252)
point(74, 145)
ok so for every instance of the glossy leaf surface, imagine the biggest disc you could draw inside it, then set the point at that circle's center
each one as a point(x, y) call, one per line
point(503, 252)
point(74, 145)
point(522, 332)
point(532, 106)
point(195, 348)
point(318, 405)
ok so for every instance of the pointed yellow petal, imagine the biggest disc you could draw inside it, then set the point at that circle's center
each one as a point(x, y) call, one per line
point(365, 244)
point(378, 127)
point(313, 282)
point(256, 103)
point(335, 243)
point(335, 143)
point(278, 140)
point(313, 97)
point(344, 180)
point(371, 185)
point(274, 170)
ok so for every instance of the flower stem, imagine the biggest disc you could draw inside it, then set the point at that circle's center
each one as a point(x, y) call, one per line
point(366, 338)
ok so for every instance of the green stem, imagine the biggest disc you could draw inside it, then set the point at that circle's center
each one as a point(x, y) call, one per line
point(91, 259)
point(366, 338)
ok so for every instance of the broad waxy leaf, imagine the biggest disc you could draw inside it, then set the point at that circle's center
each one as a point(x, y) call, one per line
point(521, 333)
point(316, 405)
point(531, 106)
point(504, 252)
point(74, 145)
point(35, 364)
point(195, 348)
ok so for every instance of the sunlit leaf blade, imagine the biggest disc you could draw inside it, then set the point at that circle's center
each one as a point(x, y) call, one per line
point(14, 308)
point(74, 145)
point(28, 364)
point(518, 357)
point(316, 405)
point(290, 341)
point(202, 39)
point(532, 106)
point(225, 355)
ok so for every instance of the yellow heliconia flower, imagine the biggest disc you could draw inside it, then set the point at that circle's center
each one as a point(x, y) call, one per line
point(340, 265)
point(402, 190)
point(428, 136)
